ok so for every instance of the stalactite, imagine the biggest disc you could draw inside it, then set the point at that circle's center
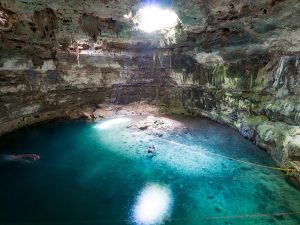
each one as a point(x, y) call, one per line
point(46, 22)
point(170, 59)
point(154, 59)
point(76, 48)
point(91, 25)
point(160, 58)
point(5, 24)
point(280, 71)
point(94, 25)
point(1, 37)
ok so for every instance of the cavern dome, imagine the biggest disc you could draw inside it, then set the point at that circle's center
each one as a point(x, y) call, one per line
point(150, 112)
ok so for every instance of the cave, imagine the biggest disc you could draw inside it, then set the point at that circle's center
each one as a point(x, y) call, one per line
point(150, 112)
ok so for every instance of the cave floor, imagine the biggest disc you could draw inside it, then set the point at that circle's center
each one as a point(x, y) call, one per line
point(101, 173)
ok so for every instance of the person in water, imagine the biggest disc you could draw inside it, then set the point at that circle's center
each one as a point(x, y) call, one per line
point(20, 157)
point(151, 149)
point(33, 157)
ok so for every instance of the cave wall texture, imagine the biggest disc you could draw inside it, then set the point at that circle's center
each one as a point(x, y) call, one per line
point(236, 62)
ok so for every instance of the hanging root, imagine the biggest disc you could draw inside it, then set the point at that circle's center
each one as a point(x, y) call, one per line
point(94, 25)
point(5, 20)
point(76, 48)
point(46, 22)
point(91, 25)
point(65, 43)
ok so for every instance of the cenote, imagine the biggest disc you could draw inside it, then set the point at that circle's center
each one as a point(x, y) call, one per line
point(101, 173)
point(150, 112)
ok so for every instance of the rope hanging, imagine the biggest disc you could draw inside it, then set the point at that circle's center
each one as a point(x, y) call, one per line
point(287, 170)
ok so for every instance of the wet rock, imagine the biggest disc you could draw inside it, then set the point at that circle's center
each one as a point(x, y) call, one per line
point(158, 125)
point(210, 197)
point(97, 114)
point(159, 135)
point(100, 106)
point(218, 209)
point(86, 116)
point(294, 181)
point(143, 127)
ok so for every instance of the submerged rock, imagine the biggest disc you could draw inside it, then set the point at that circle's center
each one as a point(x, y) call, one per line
point(158, 125)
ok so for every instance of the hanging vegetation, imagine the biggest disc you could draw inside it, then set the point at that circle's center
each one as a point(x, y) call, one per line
point(75, 47)
point(93, 26)
point(5, 20)
point(46, 22)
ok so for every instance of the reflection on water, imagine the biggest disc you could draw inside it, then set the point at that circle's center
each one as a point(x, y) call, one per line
point(153, 205)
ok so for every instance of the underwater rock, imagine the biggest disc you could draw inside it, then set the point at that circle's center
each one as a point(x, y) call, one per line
point(143, 127)
point(294, 181)
point(158, 125)
point(218, 209)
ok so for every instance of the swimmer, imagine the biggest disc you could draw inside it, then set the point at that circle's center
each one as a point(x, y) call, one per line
point(34, 157)
point(20, 158)
point(151, 149)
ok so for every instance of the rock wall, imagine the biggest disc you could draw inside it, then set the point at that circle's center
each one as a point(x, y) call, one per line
point(32, 92)
point(260, 99)
point(259, 96)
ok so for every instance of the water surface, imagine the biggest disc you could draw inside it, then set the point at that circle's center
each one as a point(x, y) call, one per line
point(97, 173)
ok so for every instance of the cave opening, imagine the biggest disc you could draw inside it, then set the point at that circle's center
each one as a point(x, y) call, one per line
point(153, 18)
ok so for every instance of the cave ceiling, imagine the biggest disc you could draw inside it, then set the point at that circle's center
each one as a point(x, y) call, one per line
point(45, 28)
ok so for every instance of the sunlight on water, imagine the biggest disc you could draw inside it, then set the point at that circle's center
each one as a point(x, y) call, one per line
point(111, 122)
point(101, 173)
point(153, 205)
point(131, 143)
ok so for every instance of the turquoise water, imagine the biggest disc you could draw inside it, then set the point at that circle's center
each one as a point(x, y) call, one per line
point(100, 173)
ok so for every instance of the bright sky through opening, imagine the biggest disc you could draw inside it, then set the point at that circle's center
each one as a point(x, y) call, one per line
point(152, 18)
